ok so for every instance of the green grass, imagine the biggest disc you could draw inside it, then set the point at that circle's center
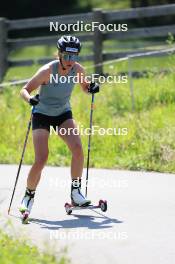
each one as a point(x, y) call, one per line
point(149, 144)
point(18, 251)
point(110, 4)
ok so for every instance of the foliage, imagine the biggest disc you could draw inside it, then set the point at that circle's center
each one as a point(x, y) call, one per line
point(19, 251)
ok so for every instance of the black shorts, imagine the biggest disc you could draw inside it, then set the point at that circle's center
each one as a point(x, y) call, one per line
point(41, 121)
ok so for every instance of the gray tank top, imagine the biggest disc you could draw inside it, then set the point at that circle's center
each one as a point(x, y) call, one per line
point(55, 96)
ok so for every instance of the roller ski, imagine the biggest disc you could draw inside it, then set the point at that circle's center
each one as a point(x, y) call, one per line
point(79, 202)
point(26, 205)
point(69, 207)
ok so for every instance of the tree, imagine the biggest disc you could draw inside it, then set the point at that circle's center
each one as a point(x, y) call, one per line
point(36, 8)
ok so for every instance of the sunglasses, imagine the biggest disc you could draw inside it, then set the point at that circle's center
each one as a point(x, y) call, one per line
point(70, 57)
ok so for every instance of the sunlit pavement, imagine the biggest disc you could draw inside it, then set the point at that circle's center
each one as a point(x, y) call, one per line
point(138, 227)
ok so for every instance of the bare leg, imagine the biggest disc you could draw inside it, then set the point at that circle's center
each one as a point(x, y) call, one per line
point(40, 141)
point(74, 144)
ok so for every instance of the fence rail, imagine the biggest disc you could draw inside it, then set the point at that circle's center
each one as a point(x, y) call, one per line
point(44, 21)
point(146, 32)
point(109, 16)
point(97, 37)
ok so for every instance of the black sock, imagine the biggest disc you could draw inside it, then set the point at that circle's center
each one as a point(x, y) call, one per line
point(30, 193)
point(76, 184)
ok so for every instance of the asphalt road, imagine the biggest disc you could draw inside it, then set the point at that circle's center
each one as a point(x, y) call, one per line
point(139, 226)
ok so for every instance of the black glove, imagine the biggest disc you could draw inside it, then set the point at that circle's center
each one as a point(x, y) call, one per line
point(34, 100)
point(93, 88)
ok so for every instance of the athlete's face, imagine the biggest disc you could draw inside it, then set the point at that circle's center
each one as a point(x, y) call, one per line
point(68, 58)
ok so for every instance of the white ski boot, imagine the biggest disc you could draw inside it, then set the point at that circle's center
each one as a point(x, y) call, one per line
point(76, 196)
point(26, 205)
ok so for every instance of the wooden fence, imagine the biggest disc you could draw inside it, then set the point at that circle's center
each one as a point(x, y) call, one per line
point(97, 37)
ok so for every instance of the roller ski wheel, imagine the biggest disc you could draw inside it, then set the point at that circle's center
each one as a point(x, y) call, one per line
point(103, 205)
point(68, 208)
point(25, 217)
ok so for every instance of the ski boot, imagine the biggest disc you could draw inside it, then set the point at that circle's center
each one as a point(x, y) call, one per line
point(77, 197)
point(26, 205)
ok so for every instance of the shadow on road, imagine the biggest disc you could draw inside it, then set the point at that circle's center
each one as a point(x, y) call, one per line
point(88, 221)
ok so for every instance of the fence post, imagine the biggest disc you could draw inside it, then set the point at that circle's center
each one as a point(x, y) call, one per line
point(131, 83)
point(3, 47)
point(98, 42)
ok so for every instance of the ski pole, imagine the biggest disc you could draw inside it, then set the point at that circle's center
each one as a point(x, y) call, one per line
point(22, 156)
point(89, 142)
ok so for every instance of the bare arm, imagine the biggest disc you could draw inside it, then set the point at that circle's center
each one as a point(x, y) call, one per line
point(41, 77)
point(81, 77)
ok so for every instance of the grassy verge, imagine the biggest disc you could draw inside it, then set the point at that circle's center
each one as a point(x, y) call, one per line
point(17, 251)
point(149, 143)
